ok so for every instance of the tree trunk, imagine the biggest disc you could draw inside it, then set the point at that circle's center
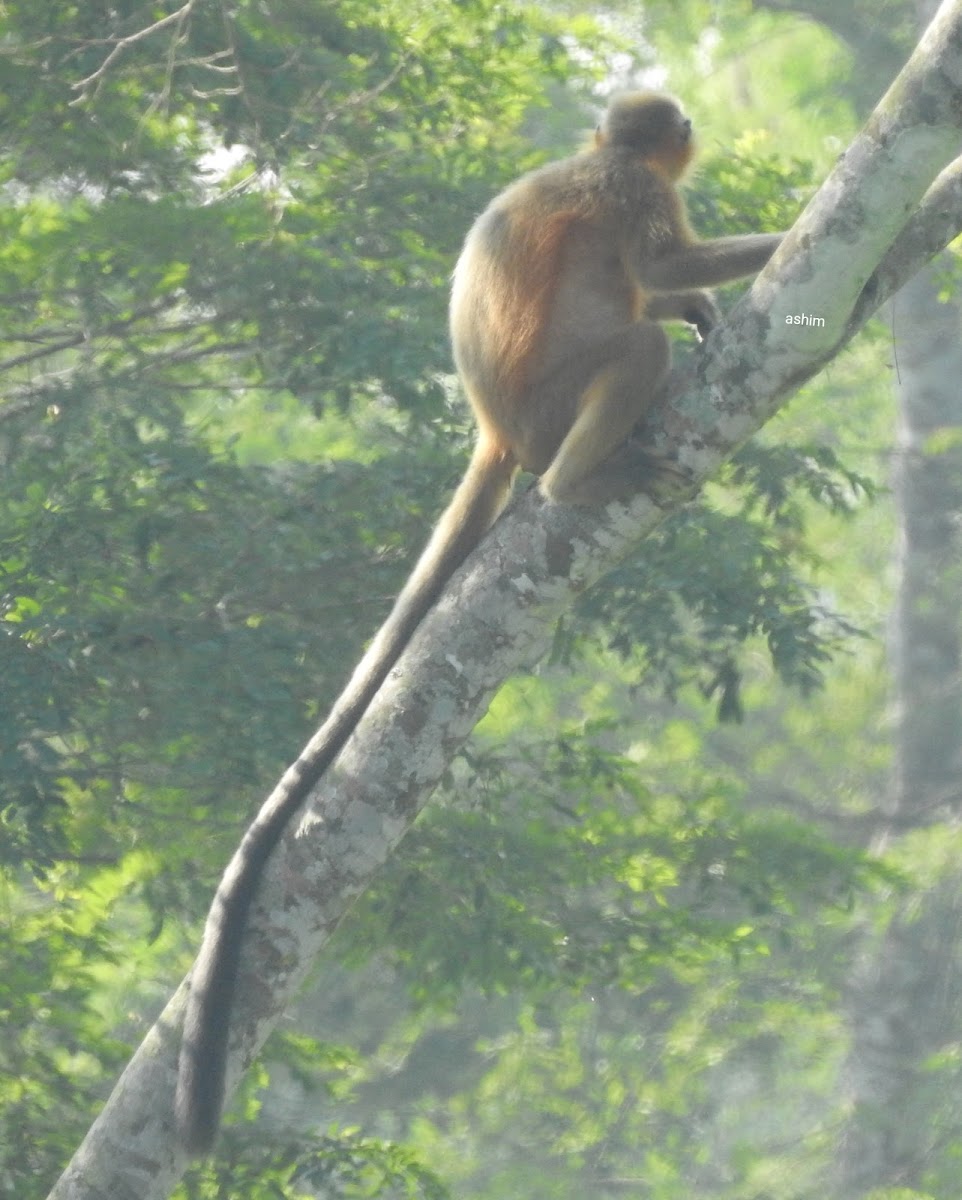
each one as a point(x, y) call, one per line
point(905, 989)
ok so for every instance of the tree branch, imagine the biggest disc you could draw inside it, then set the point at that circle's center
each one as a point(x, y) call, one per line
point(937, 221)
point(124, 43)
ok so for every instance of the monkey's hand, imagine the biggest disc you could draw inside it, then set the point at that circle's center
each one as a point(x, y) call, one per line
point(693, 306)
point(701, 311)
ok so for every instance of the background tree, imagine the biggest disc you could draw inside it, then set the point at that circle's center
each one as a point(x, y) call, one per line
point(903, 1070)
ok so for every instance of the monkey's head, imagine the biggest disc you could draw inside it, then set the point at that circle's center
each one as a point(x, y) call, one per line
point(651, 125)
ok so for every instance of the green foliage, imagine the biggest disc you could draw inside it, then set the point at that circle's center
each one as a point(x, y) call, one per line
point(171, 619)
point(143, 285)
point(587, 871)
point(56, 1046)
point(780, 185)
point(636, 948)
point(174, 266)
point(898, 1194)
point(727, 571)
point(342, 1164)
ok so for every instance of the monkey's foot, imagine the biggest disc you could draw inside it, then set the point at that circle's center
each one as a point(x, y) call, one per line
point(629, 470)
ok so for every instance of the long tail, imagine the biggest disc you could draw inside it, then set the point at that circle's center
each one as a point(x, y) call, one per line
point(203, 1055)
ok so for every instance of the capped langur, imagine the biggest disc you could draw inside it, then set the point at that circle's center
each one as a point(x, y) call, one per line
point(554, 322)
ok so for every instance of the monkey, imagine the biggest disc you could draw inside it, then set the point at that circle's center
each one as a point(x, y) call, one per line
point(556, 304)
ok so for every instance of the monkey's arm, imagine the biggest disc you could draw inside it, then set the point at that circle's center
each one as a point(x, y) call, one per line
point(706, 264)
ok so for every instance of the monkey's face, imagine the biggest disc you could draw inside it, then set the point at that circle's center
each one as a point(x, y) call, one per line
point(677, 147)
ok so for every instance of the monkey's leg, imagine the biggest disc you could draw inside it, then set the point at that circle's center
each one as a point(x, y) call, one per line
point(608, 409)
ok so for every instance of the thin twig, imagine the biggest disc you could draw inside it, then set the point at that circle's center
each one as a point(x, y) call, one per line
point(124, 43)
